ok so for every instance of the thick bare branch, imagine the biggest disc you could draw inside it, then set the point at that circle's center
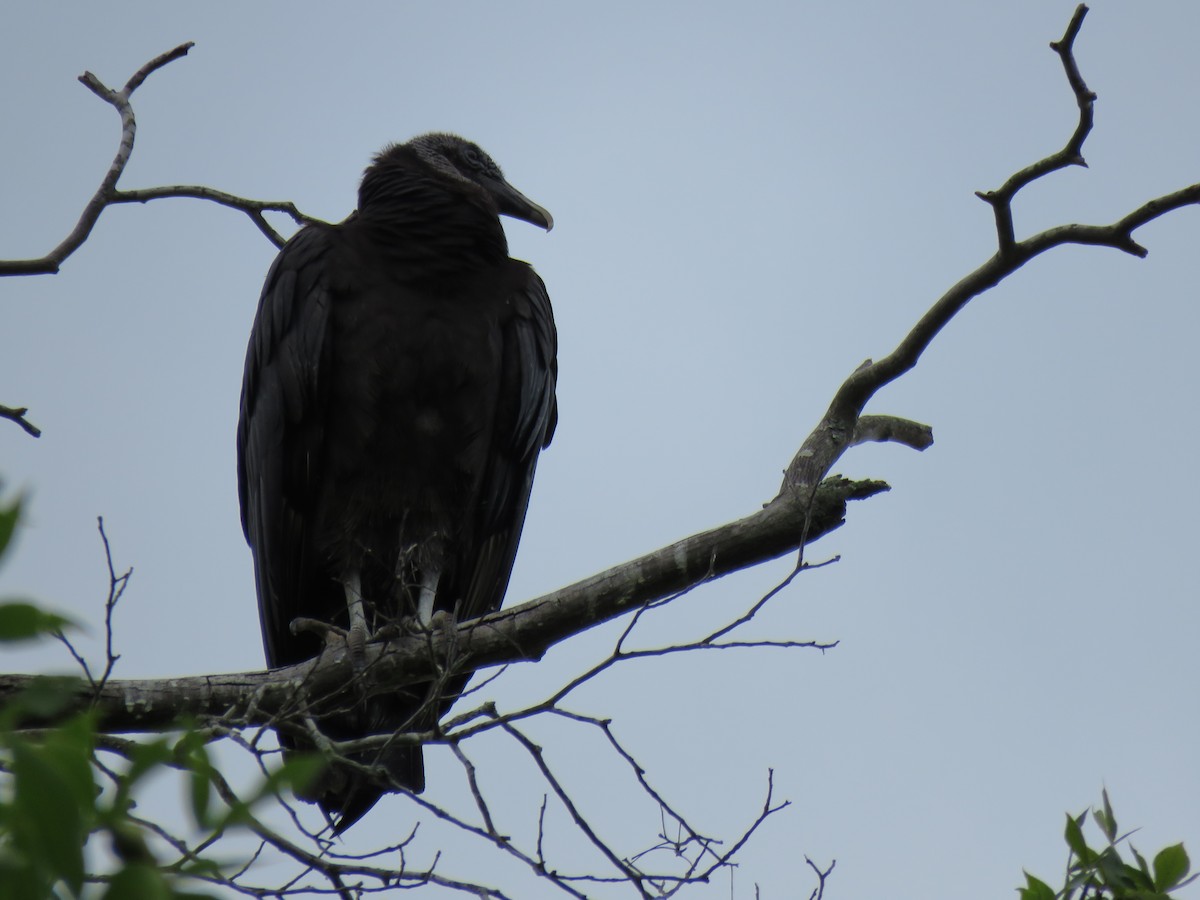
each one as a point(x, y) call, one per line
point(522, 632)
point(890, 428)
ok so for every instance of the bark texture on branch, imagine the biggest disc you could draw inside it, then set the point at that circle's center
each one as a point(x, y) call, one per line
point(522, 633)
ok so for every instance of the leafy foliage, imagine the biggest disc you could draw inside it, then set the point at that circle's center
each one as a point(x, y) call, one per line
point(21, 620)
point(1103, 874)
point(56, 795)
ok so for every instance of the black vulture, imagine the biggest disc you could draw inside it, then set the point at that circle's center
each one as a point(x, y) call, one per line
point(399, 385)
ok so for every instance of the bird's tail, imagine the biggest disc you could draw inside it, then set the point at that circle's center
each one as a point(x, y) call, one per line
point(346, 789)
point(347, 793)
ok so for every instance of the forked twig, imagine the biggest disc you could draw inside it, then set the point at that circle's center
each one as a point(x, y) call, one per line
point(107, 194)
point(839, 426)
point(1070, 155)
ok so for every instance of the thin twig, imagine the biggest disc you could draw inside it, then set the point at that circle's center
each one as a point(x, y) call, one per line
point(254, 209)
point(116, 588)
point(822, 876)
point(634, 877)
point(62, 638)
point(1070, 155)
point(17, 414)
point(50, 263)
point(473, 781)
point(639, 772)
point(107, 194)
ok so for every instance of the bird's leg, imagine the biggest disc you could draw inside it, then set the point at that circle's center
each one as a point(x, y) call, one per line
point(429, 584)
point(356, 637)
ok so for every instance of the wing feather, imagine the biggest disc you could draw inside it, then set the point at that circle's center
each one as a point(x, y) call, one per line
point(524, 424)
point(280, 435)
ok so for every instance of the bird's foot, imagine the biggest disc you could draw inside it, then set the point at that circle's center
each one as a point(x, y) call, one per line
point(356, 645)
point(409, 625)
point(357, 637)
point(353, 640)
point(330, 634)
point(388, 632)
point(444, 625)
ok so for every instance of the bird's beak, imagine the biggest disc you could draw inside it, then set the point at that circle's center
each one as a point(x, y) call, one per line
point(512, 202)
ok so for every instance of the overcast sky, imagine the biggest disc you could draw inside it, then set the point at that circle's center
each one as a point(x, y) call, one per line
point(748, 202)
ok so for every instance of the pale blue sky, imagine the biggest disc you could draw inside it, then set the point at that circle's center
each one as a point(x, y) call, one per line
point(748, 202)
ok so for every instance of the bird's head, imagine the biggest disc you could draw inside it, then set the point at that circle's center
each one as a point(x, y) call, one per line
point(463, 164)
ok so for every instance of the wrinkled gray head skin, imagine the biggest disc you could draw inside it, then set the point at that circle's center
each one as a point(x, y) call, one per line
point(455, 156)
point(458, 160)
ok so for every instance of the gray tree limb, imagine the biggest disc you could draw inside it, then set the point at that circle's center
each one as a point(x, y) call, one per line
point(519, 633)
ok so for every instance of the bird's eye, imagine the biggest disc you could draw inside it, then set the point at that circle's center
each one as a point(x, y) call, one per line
point(473, 157)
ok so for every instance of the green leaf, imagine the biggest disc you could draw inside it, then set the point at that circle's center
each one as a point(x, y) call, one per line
point(138, 880)
point(147, 757)
point(296, 773)
point(1108, 863)
point(21, 621)
point(201, 794)
point(1074, 836)
point(48, 823)
point(69, 747)
point(1035, 889)
point(191, 753)
point(1171, 866)
point(1142, 865)
point(129, 844)
point(9, 516)
point(1138, 878)
point(22, 881)
point(143, 759)
point(201, 867)
point(1105, 818)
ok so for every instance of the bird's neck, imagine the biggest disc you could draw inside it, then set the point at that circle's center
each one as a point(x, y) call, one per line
point(430, 228)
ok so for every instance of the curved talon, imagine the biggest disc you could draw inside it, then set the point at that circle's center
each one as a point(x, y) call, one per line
point(354, 640)
point(388, 632)
point(324, 630)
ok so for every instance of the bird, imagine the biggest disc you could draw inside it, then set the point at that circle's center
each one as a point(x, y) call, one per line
point(399, 385)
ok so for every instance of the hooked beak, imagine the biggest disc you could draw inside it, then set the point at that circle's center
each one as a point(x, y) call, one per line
point(512, 202)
